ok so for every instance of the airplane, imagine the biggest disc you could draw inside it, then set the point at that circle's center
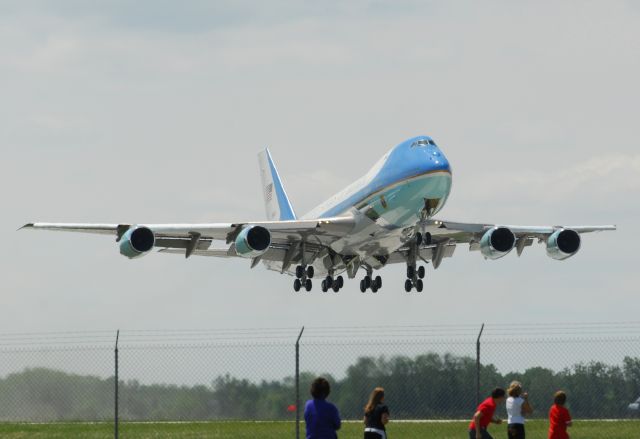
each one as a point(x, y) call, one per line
point(385, 217)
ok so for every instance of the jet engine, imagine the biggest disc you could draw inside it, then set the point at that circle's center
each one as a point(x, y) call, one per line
point(252, 241)
point(497, 242)
point(136, 242)
point(563, 244)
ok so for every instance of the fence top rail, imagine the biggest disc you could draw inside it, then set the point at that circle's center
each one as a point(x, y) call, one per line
point(328, 335)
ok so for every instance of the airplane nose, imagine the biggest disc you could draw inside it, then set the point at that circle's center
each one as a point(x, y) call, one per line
point(437, 160)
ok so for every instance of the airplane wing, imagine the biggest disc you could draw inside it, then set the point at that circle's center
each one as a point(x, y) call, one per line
point(197, 238)
point(493, 240)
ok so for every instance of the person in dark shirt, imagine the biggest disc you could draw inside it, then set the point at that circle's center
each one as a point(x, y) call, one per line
point(376, 416)
point(320, 416)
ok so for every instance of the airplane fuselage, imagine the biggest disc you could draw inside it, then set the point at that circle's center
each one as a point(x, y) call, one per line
point(411, 182)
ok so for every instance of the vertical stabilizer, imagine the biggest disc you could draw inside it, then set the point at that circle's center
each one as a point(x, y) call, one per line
point(276, 201)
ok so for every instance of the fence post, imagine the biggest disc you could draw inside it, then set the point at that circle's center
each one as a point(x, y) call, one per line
point(115, 418)
point(298, 384)
point(478, 365)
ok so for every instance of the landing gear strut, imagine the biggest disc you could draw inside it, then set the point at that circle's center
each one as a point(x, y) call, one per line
point(416, 274)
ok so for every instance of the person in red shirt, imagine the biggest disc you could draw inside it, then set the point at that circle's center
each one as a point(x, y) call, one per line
point(484, 415)
point(559, 417)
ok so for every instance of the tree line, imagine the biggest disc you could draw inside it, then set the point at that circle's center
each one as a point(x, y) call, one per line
point(428, 386)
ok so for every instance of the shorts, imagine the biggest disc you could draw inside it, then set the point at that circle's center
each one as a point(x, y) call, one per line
point(515, 431)
point(372, 435)
point(485, 434)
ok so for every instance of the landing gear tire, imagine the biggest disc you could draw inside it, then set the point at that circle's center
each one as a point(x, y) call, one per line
point(408, 285)
point(367, 282)
point(418, 239)
point(411, 271)
point(374, 288)
point(308, 285)
point(329, 280)
point(378, 283)
point(421, 272)
point(363, 286)
point(419, 285)
point(340, 282)
point(297, 285)
point(336, 288)
point(310, 271)
point(299, 271)
point(324, 286)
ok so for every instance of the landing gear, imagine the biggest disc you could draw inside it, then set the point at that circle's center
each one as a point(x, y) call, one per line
point(408, 285)
point(337, 284)
point(414, 278)
point(303, 277)
point(369, 282)
point(376, 284)
point(329, 283)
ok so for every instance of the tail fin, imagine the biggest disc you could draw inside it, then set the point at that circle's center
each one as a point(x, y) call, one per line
point(276, 201)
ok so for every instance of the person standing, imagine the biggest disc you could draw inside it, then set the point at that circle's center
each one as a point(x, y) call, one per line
point(484, 415)
point(559, 417)
point(321, 417)
point(376, 416)
point(517, 407)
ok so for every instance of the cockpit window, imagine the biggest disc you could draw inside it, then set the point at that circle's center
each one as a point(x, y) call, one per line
point(421, 142)
point(431, 142)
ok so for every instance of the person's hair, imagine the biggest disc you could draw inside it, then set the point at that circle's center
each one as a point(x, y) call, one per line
point(320, 388)
point(374, 400)
point(559, 397)
point(515, 389)
point(498, 392)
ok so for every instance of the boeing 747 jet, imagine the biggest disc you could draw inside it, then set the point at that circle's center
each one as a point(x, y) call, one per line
point(388, 216)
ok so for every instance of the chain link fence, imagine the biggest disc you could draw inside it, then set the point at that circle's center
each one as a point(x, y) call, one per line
point(429, 372)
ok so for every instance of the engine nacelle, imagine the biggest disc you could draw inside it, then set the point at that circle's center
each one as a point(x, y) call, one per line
point(252, 241)
point(563, 244)
point(136, 242)
point(497, 242)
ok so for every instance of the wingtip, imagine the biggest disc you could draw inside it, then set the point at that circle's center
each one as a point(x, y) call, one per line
point(26, 226)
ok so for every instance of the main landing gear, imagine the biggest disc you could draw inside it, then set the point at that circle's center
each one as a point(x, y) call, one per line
point(369, 282)
point(414, 278)
point(329, 283)
point(303, 277)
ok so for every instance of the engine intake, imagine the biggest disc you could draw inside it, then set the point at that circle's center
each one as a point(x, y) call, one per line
point(252, 241)
point(136, 242)
point(497, 242)
point(563, 244)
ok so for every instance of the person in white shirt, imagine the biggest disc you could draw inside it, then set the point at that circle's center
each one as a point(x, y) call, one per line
point(517, 407)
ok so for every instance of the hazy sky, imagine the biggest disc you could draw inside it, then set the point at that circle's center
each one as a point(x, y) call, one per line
point(154, 111)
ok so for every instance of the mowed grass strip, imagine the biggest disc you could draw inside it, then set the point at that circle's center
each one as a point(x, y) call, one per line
point(624, 429)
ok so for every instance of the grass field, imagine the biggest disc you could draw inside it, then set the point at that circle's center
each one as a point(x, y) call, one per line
point(279, 430)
